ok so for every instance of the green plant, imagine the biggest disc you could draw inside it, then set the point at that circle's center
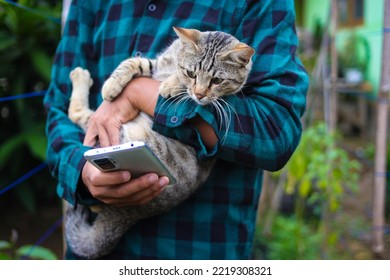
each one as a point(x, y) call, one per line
point(291, 239)
point(320, 171)
point(317, 176)
point(27, 43)
point(10, 251)
point(355, 53)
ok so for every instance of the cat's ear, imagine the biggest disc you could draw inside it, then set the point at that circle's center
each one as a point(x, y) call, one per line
point(188, 36)
point(240, 53)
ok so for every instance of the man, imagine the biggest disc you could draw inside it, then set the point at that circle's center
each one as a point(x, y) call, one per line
point(218, 221)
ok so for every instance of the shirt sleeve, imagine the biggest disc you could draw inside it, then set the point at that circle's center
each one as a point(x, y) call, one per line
point(263, 126)
point(65, 150)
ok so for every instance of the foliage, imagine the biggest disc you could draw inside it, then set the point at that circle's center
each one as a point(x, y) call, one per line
point(319, 171)
point(291, 239)
point(10, 251)
point(355, 53)
point(28, 39)
point(318, 177)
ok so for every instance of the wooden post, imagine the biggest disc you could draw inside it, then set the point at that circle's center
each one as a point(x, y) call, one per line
point(381, 140)
point(334, 68)
point(331, 119)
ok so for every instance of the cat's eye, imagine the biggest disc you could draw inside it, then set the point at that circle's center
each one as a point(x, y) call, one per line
point(216, 81)
point(191, 74)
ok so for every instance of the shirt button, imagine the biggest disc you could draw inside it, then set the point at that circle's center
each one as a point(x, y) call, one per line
point(152, 7)
point(138, 54)
point(174, 119)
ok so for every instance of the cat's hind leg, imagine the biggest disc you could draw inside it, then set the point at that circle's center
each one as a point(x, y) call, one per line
point(79, 111)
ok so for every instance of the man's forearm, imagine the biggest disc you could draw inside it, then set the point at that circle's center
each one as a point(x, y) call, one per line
point(206, 132)
point(143, 94)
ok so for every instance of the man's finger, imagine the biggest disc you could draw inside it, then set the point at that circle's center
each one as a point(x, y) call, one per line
point(113, 134)
point(104, 138)
point(108, 178)
point(90, 137)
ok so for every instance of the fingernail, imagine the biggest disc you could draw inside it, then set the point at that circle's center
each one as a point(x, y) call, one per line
point(126, 176)
point(164, 181)
point(153, 178)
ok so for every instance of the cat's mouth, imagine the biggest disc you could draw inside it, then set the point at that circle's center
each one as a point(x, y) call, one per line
point(201, 100)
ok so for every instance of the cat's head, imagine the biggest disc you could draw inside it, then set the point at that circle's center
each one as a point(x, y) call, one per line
point(212, 64)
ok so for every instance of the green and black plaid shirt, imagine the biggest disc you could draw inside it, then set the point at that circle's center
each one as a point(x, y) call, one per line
point(218, 221)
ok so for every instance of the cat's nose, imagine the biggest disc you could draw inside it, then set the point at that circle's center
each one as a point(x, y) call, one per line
point(200, 95)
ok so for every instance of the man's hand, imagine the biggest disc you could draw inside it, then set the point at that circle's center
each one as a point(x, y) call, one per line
point(140, 95)
point(106, 122)
point(118, 188)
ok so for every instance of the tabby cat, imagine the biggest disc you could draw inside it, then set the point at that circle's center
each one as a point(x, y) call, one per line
point(202, 66)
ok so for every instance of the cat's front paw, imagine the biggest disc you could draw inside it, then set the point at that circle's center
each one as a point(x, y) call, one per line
point(164, 91)
point(80, 77)
point(111, 89)
point(169, 89)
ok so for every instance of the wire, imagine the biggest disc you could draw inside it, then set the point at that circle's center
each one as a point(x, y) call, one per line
point(23, 178)
point(33, 11)
point(43, 238)
point(22, 96)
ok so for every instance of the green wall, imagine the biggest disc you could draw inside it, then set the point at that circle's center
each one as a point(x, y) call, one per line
point(318, 10)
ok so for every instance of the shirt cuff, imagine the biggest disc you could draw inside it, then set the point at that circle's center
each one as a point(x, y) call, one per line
point(171, 119)
point(70, 178)
point(84, 197)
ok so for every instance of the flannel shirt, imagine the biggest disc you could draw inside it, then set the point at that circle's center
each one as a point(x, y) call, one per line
point(218, 221)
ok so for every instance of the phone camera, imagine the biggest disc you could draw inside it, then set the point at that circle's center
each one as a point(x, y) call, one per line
point(105, 163)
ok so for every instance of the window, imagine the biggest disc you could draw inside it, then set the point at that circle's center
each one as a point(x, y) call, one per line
point(351, 12)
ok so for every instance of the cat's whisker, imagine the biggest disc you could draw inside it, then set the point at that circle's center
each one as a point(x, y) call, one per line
point(171, 102)
point(183, 98)
point(231, 108)
point(224, 117)
point(163, 105)
point(240, 92)
point(219, 113)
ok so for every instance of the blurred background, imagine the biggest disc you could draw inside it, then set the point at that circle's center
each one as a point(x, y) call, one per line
point(327, 203)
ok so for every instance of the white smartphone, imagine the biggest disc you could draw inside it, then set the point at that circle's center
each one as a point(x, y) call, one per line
point(134, 156)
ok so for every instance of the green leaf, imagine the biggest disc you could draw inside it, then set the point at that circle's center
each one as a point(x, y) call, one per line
point(11, 19)
point(7, 149)
point(37, 142)
point(304, 188)
point(42, 63)
point(35, 138)
point(298, 165)
point(36, 252)
point(4, 256)
point(5, 245)
point(290, 185)
point(6, 42)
